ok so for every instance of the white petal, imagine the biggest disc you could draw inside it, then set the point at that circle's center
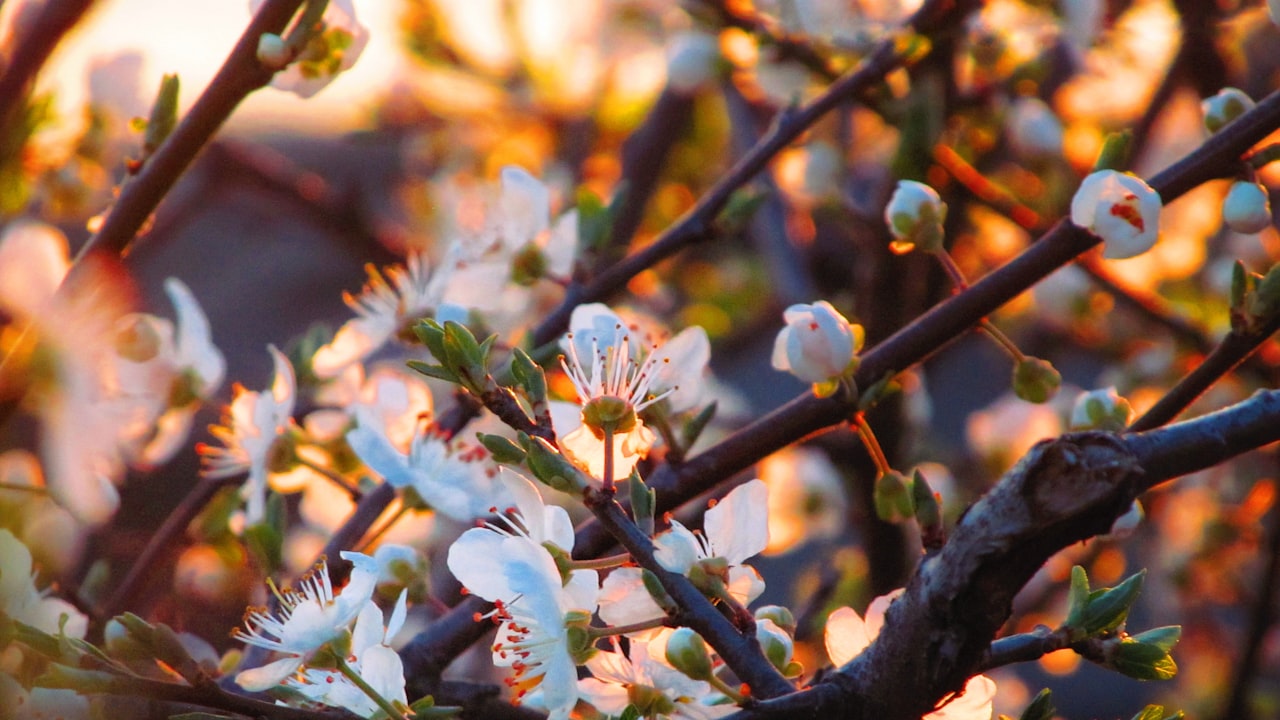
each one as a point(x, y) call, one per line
point(382, 668)
point(475, 559)
point(846, 636)
point(261, 679)
point(624, 599)
point(738, 526)
point(195, 339)
point(375, 450)
point(676, 549)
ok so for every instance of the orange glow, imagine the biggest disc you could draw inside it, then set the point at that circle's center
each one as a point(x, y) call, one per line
point(1062, 662)
point(1108, 567)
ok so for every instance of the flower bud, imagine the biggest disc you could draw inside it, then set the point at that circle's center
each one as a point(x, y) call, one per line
point(893, 498)
point(778, 615)
point(687, 652)
point(776, 644)
point(1229, 104)
point(1119, 208)
point(1101, 410)
point(272, 51)
point(817, 344)
point(1247, 208)
point(1035, 380)
point(915, 214)
point(1034, 130)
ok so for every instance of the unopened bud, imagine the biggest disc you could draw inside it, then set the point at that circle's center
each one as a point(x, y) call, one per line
point(1034, 130)
point(1035, 380)
point(691, 61)
point(779, 615)
point(1119, 208)
point(1101, 410)
point(687, 652)
point(273, 53)
point(817, 344)
point(915, 214)
point(776, 644)
point(893, 497)
point(1247, 208)
point(1229, 104)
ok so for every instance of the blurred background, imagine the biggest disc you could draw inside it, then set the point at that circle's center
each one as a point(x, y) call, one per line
point(280, 214)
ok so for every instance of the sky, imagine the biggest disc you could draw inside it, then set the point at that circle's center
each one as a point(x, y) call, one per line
point(192, 37)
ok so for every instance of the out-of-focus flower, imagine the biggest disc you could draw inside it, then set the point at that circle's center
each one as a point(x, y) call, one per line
point(503, 243)
point(1273, 9)
point(311, 617)
point(250, 427)
point(1247, 208)
point(455, 477)
point(333, 49)
point(817, 344)
point(1006, 429)
point(1101, 410)
point(691, 61)
point(397, 400)
point(847, 635)
point(735, 529)
point(1034, 130)
point(1119, 208)
point(1227, 105)
point(75, 327)
point(617, 374)
point(167, 372)
point(390, 298)
point(21, 601)
point(806, 498)
point(915, 215)
point(620, 680)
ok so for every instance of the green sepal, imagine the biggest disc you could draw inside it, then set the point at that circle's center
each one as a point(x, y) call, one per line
point(86, 682)
point(892, 497)
point(1264, 303)
point(781, 616)
point(879, 390)
point(644, 502)
point(430, 334)
point(631, 712)
point(653, 586)
point(425, 707)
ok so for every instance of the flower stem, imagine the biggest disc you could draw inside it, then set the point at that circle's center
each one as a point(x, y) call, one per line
point(334, 477)
point(377, 532)
point(374, 695)
point(596, 632)
point(873, 446)
point(957, 278)
point(606, 483)
point(953, 270)
point(603, 563)
point(723, 687)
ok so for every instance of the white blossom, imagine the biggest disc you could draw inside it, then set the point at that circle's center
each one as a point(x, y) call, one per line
point(915, 214)
point(310, 617)
point(735, 529)
point(332, 50)
point(817, 344)
point(1119, 208)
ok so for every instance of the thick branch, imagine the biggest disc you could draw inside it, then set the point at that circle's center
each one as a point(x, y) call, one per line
point(939, 632)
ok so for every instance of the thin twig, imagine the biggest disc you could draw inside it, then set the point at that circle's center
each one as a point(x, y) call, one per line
point(240, 75)
point(698, 223)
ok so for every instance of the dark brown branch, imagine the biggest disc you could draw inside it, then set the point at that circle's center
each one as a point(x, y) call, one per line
point(240, 75)
point(939, 632)
point(1235, 348)
point(913, 343)
point(739, 650)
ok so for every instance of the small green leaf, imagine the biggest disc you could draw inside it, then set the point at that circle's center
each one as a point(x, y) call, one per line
point(692, 430)
point(439, 372)
point(1109, 608)
point(1078, 597)
point(1162, 637)
point(643, 502)
point(1142, 661)
point(502, 449)
point(529, 375)
point(164, 114)
point(1115, 151)
point(1041, 708)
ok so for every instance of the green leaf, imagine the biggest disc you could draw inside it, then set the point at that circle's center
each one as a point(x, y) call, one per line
point(1109, 608)
point(164, 114)
point(1142, 661)
point(692, 430)
point(529, 375)
point(1078, 597)
point(502, 449)
point(643, 502)
point(431, 335)
point(1115, 151)
point(1162, 637)
point(1041, 708)
point(439, 372)
point(631, 712)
